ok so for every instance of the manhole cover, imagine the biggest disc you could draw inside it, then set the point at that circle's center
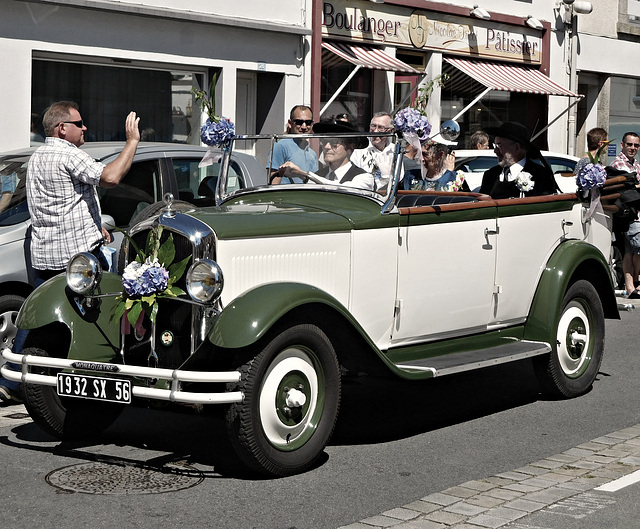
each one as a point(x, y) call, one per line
point(105, 478)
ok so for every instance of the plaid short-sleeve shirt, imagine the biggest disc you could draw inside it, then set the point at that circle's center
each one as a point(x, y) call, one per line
point(63, 202)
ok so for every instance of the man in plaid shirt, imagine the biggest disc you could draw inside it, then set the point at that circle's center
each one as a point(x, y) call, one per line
point(63, 202)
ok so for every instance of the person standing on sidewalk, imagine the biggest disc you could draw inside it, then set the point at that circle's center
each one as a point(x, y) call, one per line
point(626, 161)
point(63, 201)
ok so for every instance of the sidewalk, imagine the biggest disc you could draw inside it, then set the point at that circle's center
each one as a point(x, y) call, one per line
point(498, 500)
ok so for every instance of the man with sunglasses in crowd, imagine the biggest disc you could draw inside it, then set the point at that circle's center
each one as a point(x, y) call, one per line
point(63, 202)
point(296, 151)
point(626, 161)
point(377, 157)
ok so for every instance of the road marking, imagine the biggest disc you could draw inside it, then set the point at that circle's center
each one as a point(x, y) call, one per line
point(621, 483)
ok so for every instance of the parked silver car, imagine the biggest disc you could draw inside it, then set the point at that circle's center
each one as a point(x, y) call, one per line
point(157, 168)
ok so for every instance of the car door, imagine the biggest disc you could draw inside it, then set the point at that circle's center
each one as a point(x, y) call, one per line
point(446, 265)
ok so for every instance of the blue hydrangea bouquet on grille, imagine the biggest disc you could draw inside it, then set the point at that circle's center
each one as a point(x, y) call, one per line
point(151, 276)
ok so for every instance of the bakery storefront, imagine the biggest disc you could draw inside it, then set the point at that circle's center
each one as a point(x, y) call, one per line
point(378, 57)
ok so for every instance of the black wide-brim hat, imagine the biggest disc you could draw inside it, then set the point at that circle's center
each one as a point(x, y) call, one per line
point(332, 126)
point(512, 131)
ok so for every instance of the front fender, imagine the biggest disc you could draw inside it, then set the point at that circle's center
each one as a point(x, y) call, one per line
point(572, 260)
point(53, 302)
point(248, 317)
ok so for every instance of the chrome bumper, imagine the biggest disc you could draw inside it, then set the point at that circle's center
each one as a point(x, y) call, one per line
point(100, 368)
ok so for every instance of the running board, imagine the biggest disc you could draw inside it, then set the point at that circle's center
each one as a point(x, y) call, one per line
point(469, 360)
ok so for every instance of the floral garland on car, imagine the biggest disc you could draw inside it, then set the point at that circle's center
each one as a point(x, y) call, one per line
point(151, 276)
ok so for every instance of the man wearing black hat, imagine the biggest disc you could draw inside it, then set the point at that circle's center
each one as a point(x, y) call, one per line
point(516, 173)
point(336, 152)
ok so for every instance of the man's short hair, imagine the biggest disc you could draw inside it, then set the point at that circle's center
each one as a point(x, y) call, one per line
point(594, 137)
point(624, 136)
point(380, 115)
point(302, 107)
point(56, 114)
point(479, 136)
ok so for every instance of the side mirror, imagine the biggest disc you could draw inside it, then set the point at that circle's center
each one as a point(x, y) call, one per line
point(108, 222)
point(450, 130)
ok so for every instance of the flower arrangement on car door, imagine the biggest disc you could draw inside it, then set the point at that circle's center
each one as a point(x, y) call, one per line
point(150, 277)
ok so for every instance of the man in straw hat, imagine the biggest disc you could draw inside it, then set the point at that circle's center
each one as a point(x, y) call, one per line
point(515, 165)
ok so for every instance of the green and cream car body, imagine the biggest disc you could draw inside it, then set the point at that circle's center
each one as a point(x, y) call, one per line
point(292, 287)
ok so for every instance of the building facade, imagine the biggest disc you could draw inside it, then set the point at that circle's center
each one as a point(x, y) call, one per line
point(520, 60)
point(116, 56)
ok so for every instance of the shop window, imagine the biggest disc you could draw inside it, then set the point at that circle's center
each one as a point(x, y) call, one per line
point(354, 99)
point(106, 94)
point(624, 110)
point(493, 109)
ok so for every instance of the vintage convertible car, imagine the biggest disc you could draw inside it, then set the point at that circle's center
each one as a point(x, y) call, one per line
point(289, 288)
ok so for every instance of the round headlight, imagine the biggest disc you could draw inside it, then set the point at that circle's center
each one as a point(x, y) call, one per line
point(204, 281)
point(83, 273)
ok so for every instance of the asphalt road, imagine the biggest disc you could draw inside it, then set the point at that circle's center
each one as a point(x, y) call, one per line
point(395, 442)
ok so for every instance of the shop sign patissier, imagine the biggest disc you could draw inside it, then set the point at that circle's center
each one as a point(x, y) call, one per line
point(400, 26)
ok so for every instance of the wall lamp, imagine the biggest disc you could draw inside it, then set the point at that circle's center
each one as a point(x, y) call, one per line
point(534, 23)
point(579, 6)
point(480, 12)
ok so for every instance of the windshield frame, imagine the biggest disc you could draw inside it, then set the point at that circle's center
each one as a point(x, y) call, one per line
point(386, 200)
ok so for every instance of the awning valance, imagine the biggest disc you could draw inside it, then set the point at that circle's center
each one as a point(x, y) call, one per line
point(366, 57)
point(509, 78)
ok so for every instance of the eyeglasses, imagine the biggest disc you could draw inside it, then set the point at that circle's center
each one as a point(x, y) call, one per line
point(500, 145)
point(78, 123)
point(300, 122)
point(334, 142)
point(636, 145)
point(379, 128)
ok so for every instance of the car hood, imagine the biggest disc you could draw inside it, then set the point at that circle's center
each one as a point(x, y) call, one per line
point(279, 213)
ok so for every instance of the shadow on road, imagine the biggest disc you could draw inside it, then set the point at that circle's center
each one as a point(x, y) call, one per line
point(374, 409)
point(380, 409)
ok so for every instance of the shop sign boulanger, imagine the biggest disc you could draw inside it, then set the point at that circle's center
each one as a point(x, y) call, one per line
point(427, 30)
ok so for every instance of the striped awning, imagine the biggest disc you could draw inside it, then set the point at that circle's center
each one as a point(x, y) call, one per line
point(510, 78)
point(366, 57)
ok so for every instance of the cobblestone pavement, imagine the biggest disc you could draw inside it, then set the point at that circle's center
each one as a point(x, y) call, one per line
point(500, 500)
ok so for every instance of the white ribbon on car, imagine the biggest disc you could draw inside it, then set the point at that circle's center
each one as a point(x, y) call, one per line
point(209, 158)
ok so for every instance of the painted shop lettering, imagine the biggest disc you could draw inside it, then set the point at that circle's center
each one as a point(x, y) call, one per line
point(501, 41)
point(352, 20)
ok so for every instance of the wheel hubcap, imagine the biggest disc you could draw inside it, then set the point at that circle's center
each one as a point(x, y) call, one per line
point(573, 342)
point(8, 329)
point(290, 400)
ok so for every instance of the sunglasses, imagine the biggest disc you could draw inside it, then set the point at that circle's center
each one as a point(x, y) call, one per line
point(78, 123)
point(300, 122)
point(636, 145)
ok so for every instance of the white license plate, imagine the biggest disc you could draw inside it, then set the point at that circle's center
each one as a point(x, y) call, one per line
point(96, 388)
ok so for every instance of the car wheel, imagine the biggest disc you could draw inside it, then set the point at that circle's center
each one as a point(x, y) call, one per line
point(575, 360)
point(291, 400)
point(9, 307)
point(65, 417)
point(150, 211)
